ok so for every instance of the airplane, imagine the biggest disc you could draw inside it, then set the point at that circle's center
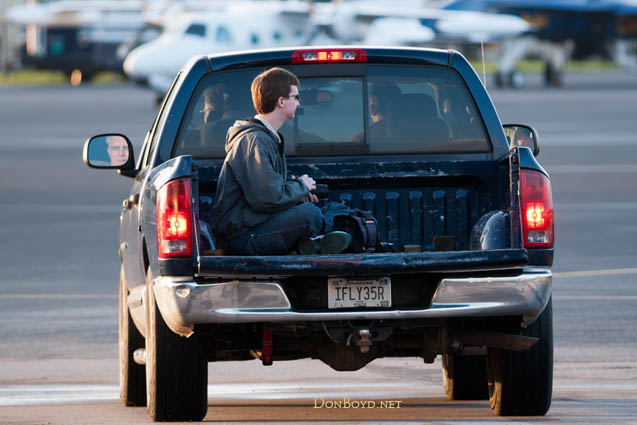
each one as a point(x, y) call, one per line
point(290, 23)
point(159, 14)
point(374, 22)
point(237, 26)
point(563, 30)
point(78, 37)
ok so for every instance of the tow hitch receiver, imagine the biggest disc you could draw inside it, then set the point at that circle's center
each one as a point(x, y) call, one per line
point(364, 340)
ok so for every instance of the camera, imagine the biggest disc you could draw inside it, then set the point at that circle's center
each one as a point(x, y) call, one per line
point(322, 191)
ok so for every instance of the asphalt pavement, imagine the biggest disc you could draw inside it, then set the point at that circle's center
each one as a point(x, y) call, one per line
point(59, 236)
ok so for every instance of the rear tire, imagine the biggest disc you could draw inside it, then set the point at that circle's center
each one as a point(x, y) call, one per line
point(176, 369)
point(465, 377)
point(132, 377)
point(521, 383)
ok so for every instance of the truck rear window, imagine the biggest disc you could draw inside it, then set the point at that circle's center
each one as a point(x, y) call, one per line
point(390, 109)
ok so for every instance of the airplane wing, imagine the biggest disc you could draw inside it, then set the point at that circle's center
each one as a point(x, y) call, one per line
point(43, 14)
point(352, 21)
point(398, 31)
point(66, 12)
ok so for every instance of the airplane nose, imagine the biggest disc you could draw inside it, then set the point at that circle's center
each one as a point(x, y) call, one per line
point(135, 69)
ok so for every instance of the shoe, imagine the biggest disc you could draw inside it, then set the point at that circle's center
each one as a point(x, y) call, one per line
point(334, 242)
point(308, 246)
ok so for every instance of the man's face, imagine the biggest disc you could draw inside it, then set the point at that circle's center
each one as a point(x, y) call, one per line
point(374, 108)
point(291, 102)
point(117, 151)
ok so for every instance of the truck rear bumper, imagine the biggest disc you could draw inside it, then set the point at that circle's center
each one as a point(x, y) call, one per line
point(185, 303)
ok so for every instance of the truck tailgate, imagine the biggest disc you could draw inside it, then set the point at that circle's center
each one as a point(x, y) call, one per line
point(362, 264)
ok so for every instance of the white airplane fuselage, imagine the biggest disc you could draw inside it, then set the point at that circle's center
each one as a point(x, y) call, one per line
point(157, 62)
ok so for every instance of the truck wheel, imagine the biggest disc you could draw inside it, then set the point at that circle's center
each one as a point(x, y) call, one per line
point(521, 383)
point(132, 377)
point(176, 369)
point(465, 377)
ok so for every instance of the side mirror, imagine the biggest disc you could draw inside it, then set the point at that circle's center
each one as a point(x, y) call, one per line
point(109, 151)
point(522, 135)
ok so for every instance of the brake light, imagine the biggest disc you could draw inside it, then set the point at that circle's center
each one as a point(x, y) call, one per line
point(537, 209)
point(174, 219)
point(329, 55)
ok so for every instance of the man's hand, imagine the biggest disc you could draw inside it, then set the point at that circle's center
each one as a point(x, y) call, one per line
point(311, 198)
point(311, 185)
point(308, 181)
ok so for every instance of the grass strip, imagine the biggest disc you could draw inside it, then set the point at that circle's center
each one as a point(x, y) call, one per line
point(29, 77)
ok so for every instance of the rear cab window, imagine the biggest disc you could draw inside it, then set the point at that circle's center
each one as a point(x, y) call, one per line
point(351, 109)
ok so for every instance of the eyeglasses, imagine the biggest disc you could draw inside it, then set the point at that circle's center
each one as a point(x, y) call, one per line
point(295, 96)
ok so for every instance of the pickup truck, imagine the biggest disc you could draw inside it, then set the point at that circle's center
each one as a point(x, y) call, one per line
point(464, 211)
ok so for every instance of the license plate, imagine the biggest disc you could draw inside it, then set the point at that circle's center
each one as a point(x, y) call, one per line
point(343, 293)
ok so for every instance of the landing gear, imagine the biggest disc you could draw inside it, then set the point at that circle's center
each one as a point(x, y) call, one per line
point(553, 75)
point(513, 79)
point(159, 99)
point(78, 76)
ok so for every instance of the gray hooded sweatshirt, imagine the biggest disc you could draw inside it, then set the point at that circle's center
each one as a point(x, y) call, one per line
point(253, 184)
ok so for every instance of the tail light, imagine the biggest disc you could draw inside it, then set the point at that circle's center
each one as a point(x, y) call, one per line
point(537, 209)
point(174, 219)
point(329, 55)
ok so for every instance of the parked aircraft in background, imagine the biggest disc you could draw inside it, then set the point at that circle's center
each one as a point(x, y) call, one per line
point(159, 14)
point(83, 37)
point(78, 37)
point(271, 24)
point(239, 26)
point(563, 30)
point(365, 22)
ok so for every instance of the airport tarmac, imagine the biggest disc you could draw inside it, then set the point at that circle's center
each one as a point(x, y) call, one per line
point(58, 255)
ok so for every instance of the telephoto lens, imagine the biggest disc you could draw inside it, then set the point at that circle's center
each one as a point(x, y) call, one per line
point(322, 191)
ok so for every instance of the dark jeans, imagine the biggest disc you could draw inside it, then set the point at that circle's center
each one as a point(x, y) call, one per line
point(280, 233)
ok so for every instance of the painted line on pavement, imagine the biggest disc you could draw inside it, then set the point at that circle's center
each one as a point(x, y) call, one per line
point(58, 296)
point(20, 395)
point(603, 272)
point(592, 169)
point(595, 297)
point(23, 395)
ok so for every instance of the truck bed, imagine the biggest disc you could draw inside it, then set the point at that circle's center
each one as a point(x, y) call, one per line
point(429, 205)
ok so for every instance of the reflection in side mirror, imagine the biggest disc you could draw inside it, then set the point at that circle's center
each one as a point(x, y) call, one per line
point(522, 135)
point(109, 151)
point(315, 96)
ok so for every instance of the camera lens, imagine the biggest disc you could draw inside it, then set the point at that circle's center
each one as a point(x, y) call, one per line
point(322, 191)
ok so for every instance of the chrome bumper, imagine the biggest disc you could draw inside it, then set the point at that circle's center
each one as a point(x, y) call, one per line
point(184, 303)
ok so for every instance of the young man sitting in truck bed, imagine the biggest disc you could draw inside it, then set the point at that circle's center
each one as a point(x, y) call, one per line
point(257, 210)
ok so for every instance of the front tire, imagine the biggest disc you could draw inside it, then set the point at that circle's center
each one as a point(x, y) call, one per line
point(521, 383)
point(465, 377)
point(176, 369)
point(132, 377)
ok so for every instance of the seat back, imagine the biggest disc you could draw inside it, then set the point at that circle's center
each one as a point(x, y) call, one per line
point(415, 117)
